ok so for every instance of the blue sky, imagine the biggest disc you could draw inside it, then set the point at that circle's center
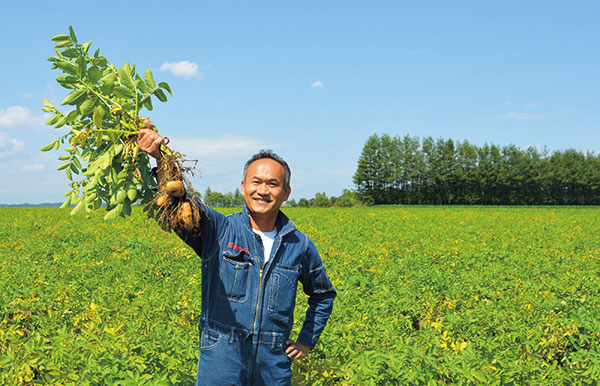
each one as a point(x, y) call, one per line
point(311, 80)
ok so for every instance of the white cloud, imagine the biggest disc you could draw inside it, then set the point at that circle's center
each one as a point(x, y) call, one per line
point(513, 115)
point(184, 69)
point(9, 146)
point(18, 116)
point(318, 84)
point(26, 167)
point(216, 147)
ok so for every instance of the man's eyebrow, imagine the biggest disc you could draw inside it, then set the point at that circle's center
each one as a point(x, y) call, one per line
point(257, 178)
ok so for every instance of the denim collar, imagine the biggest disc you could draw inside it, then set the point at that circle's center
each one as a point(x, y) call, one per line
point(283, 224)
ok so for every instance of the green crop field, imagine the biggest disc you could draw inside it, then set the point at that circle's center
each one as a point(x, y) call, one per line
point(426, 295)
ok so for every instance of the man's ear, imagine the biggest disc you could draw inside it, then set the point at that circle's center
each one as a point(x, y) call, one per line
point(287, 194)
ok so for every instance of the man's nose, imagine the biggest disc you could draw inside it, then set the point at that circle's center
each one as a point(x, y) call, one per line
point(262, 189)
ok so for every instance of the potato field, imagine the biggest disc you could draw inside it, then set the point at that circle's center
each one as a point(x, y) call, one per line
point(426, 296)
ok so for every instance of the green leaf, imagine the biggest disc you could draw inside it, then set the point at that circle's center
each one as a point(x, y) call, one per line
point(61, 122)
point(86, 46)
point(128, 106)
point(47, 103)
point(72, 34)
point(77, 163)
point(125, 77)
point(114, 213)
point(132, 194)
point(160, 94)
point(100, 61)
point(149, 79)
point(98, 116)
point(123, 92)
point(67, 67)
point(141, 85)
point(63, 166)
point(81, 66)
point(117, 149)
point(66, 203)
point(147, 102)
point(71, 52)
point(166, 86)
point(74, 97)
point(94, 74)
point(121, 195)
point(69, 174)
point(67, 81)
point(52, 120)
point(109, 77)
point(126, 208)
point(66, 43)
point(87, 106)
point(77, 208)
point(56, 145)
point(48, 147)
point(71, 116)
point(105, 161)
point(60, 38)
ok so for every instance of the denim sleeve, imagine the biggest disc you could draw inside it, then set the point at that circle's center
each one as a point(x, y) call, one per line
point(212, 229)
point(320, 293)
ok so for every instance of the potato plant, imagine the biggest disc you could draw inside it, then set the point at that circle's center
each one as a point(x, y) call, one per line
point(101, 156)
point(427, 295)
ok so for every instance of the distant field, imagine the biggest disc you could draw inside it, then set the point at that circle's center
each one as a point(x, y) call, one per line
point(426, 295)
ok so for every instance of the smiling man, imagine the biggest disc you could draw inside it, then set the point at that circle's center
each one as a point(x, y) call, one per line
point(252, 262)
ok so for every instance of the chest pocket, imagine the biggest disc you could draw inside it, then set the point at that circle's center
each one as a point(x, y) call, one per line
point(282, 292)
point(235, 275)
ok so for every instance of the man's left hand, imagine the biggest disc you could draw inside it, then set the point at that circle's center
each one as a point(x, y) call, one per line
point(296, 350)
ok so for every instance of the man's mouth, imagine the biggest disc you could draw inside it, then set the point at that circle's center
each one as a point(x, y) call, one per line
point(262, 200)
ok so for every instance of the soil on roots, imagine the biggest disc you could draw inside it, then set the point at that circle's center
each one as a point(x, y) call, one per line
point(174, 213)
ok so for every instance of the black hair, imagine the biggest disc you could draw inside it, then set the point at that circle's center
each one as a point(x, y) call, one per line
point(271, 155)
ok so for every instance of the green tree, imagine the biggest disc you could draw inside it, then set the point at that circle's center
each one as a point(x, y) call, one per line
point(466, 178)
point(367, 177)
point(303, 203)
point(321, 200)
point(347, 199)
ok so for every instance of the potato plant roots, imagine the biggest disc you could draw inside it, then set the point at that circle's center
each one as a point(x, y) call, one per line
point(175, 211)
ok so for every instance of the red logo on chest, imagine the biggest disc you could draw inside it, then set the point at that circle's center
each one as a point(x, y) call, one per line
point(231, 245)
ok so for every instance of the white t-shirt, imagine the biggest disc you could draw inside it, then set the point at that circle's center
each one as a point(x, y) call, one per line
point(267, 240)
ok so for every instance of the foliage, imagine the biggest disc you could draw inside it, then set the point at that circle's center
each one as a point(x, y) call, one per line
point(347, 199)
point(321, 200)
point(217, 199)
point(426, 296)
point(408, 171)
point(103, 126)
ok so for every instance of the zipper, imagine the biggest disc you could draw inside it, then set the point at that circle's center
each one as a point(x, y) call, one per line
point(260, 278)
point(258, 300)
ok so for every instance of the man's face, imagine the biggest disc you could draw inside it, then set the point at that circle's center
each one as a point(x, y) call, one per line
point(263, 187)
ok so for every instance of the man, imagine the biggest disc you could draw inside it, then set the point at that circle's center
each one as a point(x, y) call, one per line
point(252, 262)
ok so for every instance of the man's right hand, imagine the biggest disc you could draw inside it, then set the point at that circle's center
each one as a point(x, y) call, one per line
point(149, 140)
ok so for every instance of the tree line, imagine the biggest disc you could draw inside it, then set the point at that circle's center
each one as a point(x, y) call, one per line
point(348, 198)
point(406, 170)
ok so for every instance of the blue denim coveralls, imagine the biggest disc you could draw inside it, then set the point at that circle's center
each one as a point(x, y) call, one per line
point(248, 306)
